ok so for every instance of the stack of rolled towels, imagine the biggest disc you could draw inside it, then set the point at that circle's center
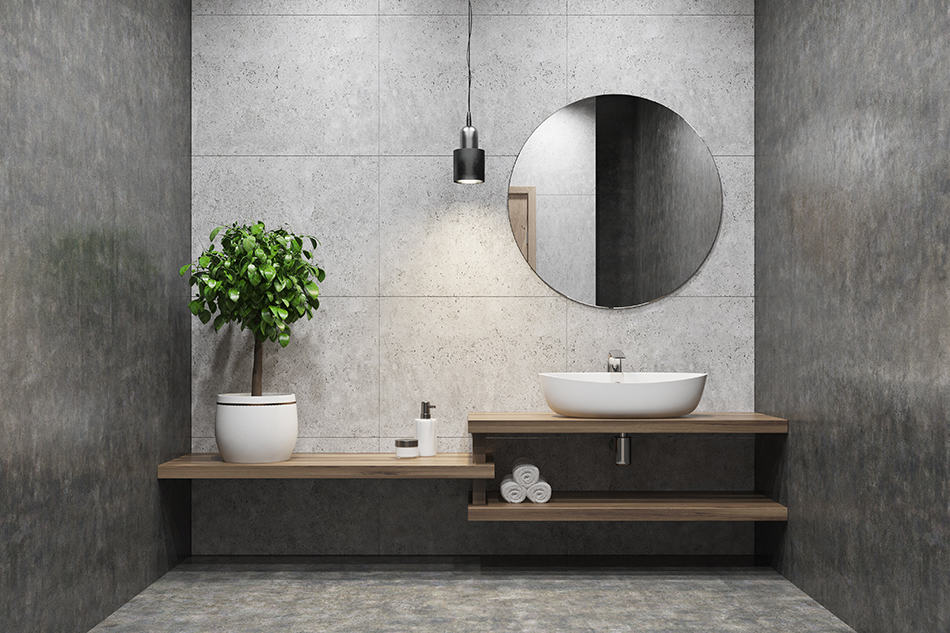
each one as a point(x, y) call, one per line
point(525, 482)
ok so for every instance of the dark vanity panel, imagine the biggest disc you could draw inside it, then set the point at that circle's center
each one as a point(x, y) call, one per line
point(429, 517)
point(852, 271)
point(94, 337)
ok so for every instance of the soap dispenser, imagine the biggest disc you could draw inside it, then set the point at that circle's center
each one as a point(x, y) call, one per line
point(425, 430)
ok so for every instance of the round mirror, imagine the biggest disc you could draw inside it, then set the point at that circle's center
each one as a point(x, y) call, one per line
point(615, 201)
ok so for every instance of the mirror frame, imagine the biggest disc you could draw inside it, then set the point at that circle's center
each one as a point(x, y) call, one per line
point(706, 255)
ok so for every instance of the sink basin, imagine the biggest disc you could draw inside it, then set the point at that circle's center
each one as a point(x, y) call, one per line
point(623, 394)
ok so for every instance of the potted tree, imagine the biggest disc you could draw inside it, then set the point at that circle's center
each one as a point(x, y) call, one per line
point(263, 281)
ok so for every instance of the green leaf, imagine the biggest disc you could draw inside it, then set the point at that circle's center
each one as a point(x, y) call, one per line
point(203, 261)
point(283, 338)
point(196, 307)
point(321, 275)
point(282, 313)
point(219, 321)
point(205, 316)
point(234, 294)
point(258, 228)
point(183, 270)
point(269, 272)
point(267, 317)
point(248, 244)
point(311, 289)
point(215, 232)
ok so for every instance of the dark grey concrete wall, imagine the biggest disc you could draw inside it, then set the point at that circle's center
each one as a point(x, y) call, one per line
point(852, 270)
point(94, 337)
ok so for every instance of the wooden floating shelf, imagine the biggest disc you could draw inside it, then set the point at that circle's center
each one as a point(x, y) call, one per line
point(330, 466)
point(547, 422)
point(635, 506)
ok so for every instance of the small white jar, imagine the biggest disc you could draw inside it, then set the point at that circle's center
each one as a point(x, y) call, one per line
point(408, 447)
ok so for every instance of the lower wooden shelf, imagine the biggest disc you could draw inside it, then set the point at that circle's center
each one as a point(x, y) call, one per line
point(634, 506)
point(330, 466)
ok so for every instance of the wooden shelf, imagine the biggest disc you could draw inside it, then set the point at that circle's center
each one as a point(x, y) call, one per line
point(330, 466)
point(547, 422)
point(635, 506)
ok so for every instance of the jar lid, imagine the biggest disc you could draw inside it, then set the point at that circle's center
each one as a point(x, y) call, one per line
point(407, 442)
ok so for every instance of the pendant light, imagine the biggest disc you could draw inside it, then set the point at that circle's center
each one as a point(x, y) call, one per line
point(469, 160)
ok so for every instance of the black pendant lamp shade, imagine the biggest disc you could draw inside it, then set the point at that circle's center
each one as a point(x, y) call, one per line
point(469, 161)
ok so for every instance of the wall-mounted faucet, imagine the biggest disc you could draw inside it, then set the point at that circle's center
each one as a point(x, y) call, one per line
point(615, 361)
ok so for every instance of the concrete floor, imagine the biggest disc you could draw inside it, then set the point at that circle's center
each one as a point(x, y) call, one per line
point(246, 599)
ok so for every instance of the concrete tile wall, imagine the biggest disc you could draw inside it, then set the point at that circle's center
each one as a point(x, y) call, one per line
point(340, 117)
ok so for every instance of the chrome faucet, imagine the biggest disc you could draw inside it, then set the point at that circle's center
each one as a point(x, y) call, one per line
point(615, 361)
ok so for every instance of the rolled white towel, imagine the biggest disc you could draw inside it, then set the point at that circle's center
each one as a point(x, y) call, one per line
point(539, 492)
point(525, 473)
point(512, 491)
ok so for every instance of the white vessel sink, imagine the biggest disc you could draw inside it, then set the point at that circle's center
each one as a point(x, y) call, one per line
point(623, 394)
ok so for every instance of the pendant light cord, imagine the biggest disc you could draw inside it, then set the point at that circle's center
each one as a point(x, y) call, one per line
point(468, 61)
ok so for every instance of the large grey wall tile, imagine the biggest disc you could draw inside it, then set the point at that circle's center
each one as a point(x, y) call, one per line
point(728, 271)
point(702, 68)
point(479, 7)
point(272, 85)
point(464, 355)
point(284, 7)
point(852, 293)
point(332, 198)
point(518, 71)
point(662, 7)
point(331, 364)
point(703, 334)
point(440, 238)
point(305, 445)
point(94, 335)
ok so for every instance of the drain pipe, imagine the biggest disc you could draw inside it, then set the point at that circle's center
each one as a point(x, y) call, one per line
point(623, 450)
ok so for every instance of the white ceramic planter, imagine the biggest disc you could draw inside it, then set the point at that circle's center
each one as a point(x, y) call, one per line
point(256, 429)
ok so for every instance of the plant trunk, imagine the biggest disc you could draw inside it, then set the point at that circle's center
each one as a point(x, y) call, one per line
point(257, 375)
